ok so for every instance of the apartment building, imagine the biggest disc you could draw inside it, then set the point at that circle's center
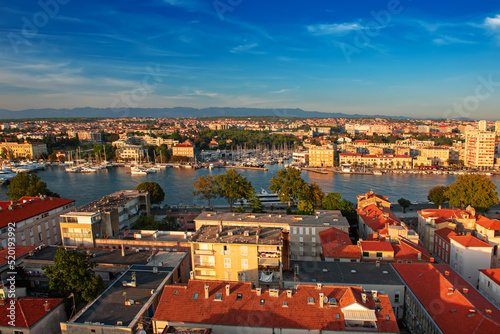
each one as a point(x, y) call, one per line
point(184, 150)
point(86, 135)
point(23, 150)
point(442, 246)
point(489, 285)
point(322, 156)
point(372, 198)
point(480, 149)
point(301, 158)
point(228, 308)
point(489, 231)
point(304, 231)
point(377, 160)
point(103, 217)
point(372, 219)
point(468, 255)
point(438, 300)
point(33, 220)
point(240, 253)
point(130, 153)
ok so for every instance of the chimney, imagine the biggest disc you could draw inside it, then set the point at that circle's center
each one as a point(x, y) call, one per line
point(377, 264)
point(432, 260)
point(321, 300)
point(228, 289)
point(465, 290)
point(206, 291)
point(259, 291)
point(191, 275)
point(46, 306)
point(419, 255)
point(363, 296)
point(319, 286)
point(447, 273)
point(289, 293)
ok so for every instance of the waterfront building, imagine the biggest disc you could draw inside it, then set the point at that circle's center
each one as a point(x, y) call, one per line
point(240, 253)
point(23, 150)
point(480, 149)
point(303, 231)
point(31, 315)
point(376, 160)
point(489, 230)
point(489, 285)
point(130, 153)
point(442, 246)
point(468, 255)
point(33, 220)
point(300, 158)
point(372, 198)
point(103, 217)
point(438, 300)
point(228, 307)
point(92, 136)
point(322, 156)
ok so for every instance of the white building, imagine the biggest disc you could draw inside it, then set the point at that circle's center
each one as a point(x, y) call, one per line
point(489, 285)
point(468, 255)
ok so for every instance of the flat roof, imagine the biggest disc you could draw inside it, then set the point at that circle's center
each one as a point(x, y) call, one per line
point(238, 235)
point(109, 202)
point(109, 307)
point(322, 217)
point(342, 273)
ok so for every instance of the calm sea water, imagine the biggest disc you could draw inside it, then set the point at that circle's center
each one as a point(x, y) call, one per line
point(178, 183)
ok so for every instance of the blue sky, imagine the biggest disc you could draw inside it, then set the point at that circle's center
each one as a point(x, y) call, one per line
point(410, 58)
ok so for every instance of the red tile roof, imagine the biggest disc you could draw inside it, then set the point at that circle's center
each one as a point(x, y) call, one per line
point(445, 213)
point(20, 251)
point(493, 274)
point(375, 246)
point(489, 224)
point(29, 310)
point(376, 217)
point(445, 233)
point(407, 250)
point(33, 207)
point(250, 311)
point(470, 241)
point(450, 312)
point(337, 244)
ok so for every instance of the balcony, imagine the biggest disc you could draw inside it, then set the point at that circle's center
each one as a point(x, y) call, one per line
point(204, 252)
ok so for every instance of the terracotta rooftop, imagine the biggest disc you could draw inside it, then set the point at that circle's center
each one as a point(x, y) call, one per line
point(337, 244)
point(470, 241)
point(273, 308)
point(489, 224)
point(28, 207)
point(375, 246)
point(446, 213)
point(445, 233)
point(29, 310)
point(407, 250)
point(376, 217)
point(440, 290)
point(493, 274)
point(20, 251)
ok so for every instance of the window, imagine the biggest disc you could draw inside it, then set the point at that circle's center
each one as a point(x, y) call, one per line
point(396, 296)
point(53, 222)
point(262, 301)
point(239, 296)
point(39, 229)
point(301, 239)
point(313, 239)
point(225, 250)
point(366, 254)
point(295, 230)
point(46, 225)
point(195, 295)
point(307, 230)
point(244, 263)
point(310, 300)
point(31, 231)
point(379, 254)
point(22, 236)
point(244, 250)
point(176, 292)
point(40, 238)
point(227, 263)
point(313, 230)
point(301, 230)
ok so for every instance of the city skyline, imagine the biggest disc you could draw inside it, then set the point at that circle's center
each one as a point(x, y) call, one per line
point(395, 58)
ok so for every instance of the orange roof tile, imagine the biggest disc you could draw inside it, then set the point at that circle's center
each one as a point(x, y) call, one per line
point(29, 310)
point(375, 246)
point(249, 310)
point(493, 274)
point(407, 250)
point(20, 251)
point(489, 224)
point(430, 285)
point(376, 217)
point(470, 241)
point(445, 233)
point(337, 244)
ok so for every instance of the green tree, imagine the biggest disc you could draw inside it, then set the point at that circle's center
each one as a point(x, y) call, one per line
point(156, 193)
point(72, 273)
point(438, 195)
point(334, 201)
point(256, 205)
point(331, 201)
point(24, 184)
point(404, 203)
point(475, 190)
point(205, 187)
point(310, 198)
point(305, 207)
point(288, 185)
point(232, 187)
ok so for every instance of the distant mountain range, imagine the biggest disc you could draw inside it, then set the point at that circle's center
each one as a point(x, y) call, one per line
point(177, 112)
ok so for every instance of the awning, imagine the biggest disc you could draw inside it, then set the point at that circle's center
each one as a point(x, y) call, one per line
point(368, 315)
point(266, 278)
point(269, 262)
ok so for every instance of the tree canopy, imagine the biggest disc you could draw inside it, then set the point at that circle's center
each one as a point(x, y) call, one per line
point(72, 273)
point(334, 201)
point(288, 185)
point(310, 198)
point(24, 184)
point(404, 203)
point(156, 193)
point(232, 186)
point(438, 195)
point(205, 187)
point(475, 190)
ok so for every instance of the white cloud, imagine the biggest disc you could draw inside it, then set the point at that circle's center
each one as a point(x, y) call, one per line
point(334, 29)
point(493, 22)
point(248, 48)
point(447, 40)
point(283, 90)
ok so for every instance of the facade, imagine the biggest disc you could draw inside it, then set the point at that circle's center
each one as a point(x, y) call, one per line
point(86, 135)
point(304, 231)
point(322, 156)
point(183, 150)
point(376, 160)
point(468, 255)
point(438, 300)
point(480, 149)
point(301, 158)
point(240, 253)
point(23, 150)
point(103, 217)
point(489, 285)
point(442, 247)
point(489, 231)
point(229, 308)
point(130, 153)
point(34, 220)
point(373, 219)
point(32, 315)
point(372, 198)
